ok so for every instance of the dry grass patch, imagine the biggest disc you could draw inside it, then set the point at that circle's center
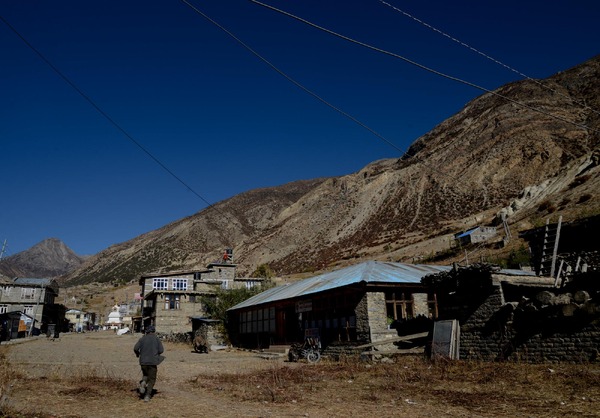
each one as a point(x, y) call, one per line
point(77, 386)
point(499, 388)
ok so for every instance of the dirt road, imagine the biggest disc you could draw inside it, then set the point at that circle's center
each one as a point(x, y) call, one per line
point(96, 374)
point(91, 356)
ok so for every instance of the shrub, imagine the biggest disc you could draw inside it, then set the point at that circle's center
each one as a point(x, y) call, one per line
point(546, 206)
point(579, 181)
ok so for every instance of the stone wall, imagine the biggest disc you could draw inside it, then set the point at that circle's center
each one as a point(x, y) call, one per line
point(421, 304)
point(504, 331)
point(378, 323)
point(176, 320)
point(371, 320)
point(363, 330)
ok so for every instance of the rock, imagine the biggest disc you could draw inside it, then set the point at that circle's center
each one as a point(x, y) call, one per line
point(570, 309)
point(581, 296)
point(545, 297)
point(562, 299)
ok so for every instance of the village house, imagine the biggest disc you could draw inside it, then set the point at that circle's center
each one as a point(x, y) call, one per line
point(475, 235)
point(80, 321)
point(360, 304)
point(515, 315)
point(171, 300)
point(34, 299)
point(567, 246)
point(125, 315)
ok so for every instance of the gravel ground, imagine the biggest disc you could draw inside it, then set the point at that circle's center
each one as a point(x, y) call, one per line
point(105, 354)
point(95, 375)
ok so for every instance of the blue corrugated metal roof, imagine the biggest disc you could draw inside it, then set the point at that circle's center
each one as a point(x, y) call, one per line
point(368, 272)
point(464, 234)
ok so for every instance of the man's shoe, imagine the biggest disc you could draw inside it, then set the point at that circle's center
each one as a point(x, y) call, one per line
point(142, 387)
point(147, 398)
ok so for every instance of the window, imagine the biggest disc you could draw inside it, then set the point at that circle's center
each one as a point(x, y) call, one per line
point(28, 310)
point(3, 309)
point(27, 293)
point(160, 284)
point(180, 284)
point(432, 306)
point(5, 290)
point(171, 302)
point(261, 320)
point(399, 306)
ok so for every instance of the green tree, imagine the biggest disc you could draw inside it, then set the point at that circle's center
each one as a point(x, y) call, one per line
point(519, 257)
point(263, 271)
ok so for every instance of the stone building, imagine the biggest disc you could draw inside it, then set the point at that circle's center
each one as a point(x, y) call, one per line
point(35, 298)
point(515, 315)
point(171, 300)
point(79, 321)
point(475, 235)
point(357, 304)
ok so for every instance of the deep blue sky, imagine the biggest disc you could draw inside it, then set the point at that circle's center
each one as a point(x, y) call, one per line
point(221, 119)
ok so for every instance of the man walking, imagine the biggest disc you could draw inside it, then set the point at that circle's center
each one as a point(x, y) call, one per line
point(148, 349)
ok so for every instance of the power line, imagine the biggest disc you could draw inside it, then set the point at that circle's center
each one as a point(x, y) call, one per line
point(423, 67)
point(108, 117)
point(289, 78)
point(315, 95)
point(494, 60)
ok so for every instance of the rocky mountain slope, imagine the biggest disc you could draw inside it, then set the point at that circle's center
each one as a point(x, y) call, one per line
point(49, 258)
point(528, 150)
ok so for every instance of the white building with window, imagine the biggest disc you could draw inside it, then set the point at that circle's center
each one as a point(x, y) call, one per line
point(115, 319)
point(79, 321)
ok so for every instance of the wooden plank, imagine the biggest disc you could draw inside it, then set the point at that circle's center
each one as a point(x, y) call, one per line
point(415, 350)
point(394, 340)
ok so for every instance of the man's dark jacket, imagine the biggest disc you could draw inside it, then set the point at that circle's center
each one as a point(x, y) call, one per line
point(149, 350)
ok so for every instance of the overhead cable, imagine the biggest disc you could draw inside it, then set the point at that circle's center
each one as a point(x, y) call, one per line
point(289, 78)
point(315, 95)
point(423, 67)
point(494, 60)
point(107, 116)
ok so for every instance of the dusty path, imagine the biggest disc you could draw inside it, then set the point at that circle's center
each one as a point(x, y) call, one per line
point(113, 355)
point(105, 354)
point(95, 375)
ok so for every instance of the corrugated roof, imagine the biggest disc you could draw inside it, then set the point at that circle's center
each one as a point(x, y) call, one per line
point(368, 272)
point(468, 232)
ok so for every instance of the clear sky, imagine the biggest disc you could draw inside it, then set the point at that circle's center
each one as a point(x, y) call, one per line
point(221, 119)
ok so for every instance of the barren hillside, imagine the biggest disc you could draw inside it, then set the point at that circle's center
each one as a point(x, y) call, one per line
point(530, 148)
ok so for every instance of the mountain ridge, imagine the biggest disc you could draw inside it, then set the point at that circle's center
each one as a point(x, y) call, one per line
point(46, 259)
point(465, 171)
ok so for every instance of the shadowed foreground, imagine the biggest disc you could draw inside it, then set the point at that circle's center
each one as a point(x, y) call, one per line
point(95, 375)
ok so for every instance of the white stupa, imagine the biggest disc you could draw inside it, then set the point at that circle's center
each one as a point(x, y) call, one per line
point(115, 320)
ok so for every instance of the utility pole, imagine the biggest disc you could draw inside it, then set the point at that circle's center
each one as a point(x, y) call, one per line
point(506, 228)
point(3, 250)
point(37, 304)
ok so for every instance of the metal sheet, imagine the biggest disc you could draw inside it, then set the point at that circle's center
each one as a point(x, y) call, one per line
point(368, 272)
